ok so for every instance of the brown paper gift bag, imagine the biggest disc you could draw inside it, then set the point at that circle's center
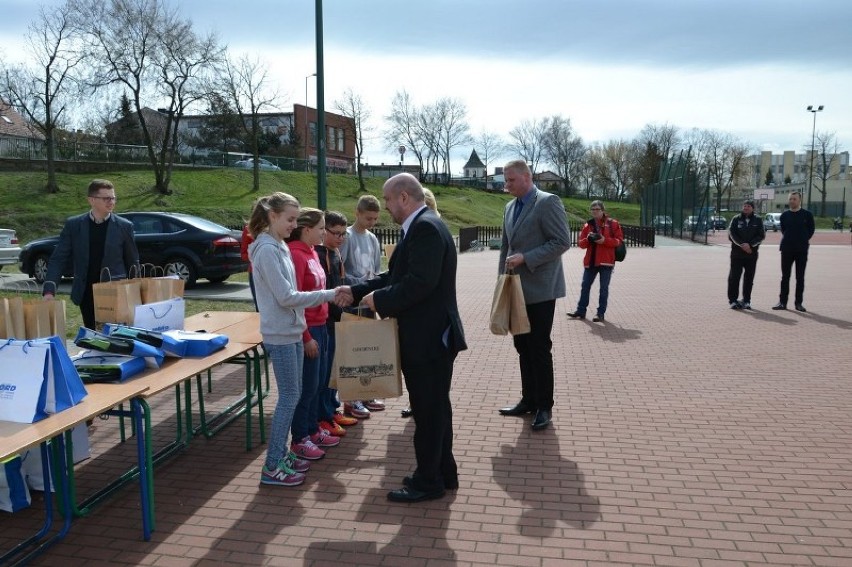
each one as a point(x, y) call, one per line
point(366, 359)
point(508, 309)
point(12, 323)
point(116, 301)
point(154, 290)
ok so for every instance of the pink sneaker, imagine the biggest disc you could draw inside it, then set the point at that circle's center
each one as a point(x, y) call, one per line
point(296, 464)
point(305, 449)
point(323, 438)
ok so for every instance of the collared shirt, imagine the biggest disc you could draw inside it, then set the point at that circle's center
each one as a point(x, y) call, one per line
point(96, 221)
point(410, 218)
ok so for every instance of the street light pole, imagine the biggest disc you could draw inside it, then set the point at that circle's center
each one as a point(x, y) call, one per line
point(307, 129)
point(813, 111)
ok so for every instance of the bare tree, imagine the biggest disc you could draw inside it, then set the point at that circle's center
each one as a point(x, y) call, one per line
point(453, 131)
point(666, 138)
point(245, 81)
point(404, 129)
point(564, 149)
point(527, 140)
point(352, 106)
point(147, 49)
point(491, 146)
point(43, 89)
point(428, 130)
point(826, 158)
point(611, 165)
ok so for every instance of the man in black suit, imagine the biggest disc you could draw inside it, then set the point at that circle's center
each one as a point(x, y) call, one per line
point(90, 242)
point(419, 289)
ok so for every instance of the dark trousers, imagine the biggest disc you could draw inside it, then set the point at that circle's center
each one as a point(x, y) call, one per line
point(87, 308)
point(788, 258)
point(536, 357)
point(740, 265)
point(429, 394)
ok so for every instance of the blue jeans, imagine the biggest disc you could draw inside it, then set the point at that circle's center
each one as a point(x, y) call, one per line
point(287, 367)
point(589, 275)
point(305, 419)
point(327, 401)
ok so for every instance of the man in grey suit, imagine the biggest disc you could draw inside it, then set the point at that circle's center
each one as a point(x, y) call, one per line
point(89, 243)
point(535, 235)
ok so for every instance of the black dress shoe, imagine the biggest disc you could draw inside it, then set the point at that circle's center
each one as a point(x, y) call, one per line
point(779, 307)
point(452, 484)
point(800, 307)
point(575, 315)
point(408, 494)
point(518, 409)
point(406, 412)
point(542, 420)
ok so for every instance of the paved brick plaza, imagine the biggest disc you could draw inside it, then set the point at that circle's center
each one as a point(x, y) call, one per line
point(684, 434)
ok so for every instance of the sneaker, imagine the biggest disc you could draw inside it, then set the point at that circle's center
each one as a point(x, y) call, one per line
point(747, 305)
point(282, 475)
point(295, 463)
point(323, 438)
point(344, 420)
point(305, 449)
point(735, 305)
point(374, 405)
point(356, 409)
point(332, 428)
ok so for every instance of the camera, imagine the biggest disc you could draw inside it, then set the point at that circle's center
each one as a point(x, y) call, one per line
point(594, 236)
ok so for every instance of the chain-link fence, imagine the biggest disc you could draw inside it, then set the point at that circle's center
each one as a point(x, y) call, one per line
point(678, 204)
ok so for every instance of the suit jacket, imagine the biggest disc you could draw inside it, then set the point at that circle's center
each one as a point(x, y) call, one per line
point(419, 289)
point(120, 253)
point(541, 235)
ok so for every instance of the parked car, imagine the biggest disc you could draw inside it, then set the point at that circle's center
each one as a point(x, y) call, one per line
point(9, 249)
point(691, 223)
point(718, 222)
point(248, 163)
point(184, 245)
point(662, 223)
point(772, 221)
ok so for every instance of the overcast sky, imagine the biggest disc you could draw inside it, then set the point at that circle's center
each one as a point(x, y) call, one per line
point(748, 67)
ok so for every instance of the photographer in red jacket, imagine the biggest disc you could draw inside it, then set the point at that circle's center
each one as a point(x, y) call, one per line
point(600, 236)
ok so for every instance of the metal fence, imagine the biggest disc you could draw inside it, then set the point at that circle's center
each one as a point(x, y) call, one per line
point(678, 205)
point(479, 237)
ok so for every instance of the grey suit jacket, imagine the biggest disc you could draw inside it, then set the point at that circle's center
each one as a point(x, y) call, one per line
point(120, 253)
point(541, 235)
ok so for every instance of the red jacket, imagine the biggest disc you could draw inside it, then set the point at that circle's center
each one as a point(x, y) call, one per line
point(603, 250)
point(309, 277)
point(244, 244)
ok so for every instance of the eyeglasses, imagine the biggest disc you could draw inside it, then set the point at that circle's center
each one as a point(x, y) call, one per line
point(106, 199)
point(595, 209)
point(341, 234)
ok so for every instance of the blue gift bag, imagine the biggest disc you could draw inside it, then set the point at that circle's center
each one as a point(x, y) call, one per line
point(89, 339)
point(199, 343)
point(169, 344)
point(14, 493)
point(96, 366)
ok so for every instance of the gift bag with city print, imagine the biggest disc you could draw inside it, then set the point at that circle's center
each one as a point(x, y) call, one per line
point(366, 359)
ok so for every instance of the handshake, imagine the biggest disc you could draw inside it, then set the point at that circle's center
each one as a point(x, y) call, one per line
point(343, 296)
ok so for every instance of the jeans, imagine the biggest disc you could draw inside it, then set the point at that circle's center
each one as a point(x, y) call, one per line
point(305, 419)
point(789, 258)
point(589, 275)
point(327, 402)
point(287, 367)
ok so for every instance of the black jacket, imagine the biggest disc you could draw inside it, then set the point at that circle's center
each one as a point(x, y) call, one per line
point(745, 229)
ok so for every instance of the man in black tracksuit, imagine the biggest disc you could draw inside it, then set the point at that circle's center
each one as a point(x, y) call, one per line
point(745, 232)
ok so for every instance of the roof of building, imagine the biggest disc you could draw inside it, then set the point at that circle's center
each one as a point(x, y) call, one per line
point(12, 123)
point(474, 162)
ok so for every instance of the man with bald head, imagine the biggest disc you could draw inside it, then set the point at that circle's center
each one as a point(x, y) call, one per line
point(419, 290)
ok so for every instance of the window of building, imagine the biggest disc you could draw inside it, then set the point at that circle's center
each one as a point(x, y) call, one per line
point(312, 127)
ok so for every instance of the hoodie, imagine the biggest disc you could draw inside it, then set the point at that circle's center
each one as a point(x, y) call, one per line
point(281, 305)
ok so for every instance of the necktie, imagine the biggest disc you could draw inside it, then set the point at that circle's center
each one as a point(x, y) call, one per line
point(519, 206)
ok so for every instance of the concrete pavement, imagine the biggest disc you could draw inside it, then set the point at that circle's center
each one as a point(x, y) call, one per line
point(684, 434)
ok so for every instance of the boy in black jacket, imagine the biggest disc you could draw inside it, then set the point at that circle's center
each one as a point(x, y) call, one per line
point(745, 232)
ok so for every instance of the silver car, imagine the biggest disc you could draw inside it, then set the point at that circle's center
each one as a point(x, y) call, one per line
point(264, 165)
point(9, 249)
point(772, 221)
